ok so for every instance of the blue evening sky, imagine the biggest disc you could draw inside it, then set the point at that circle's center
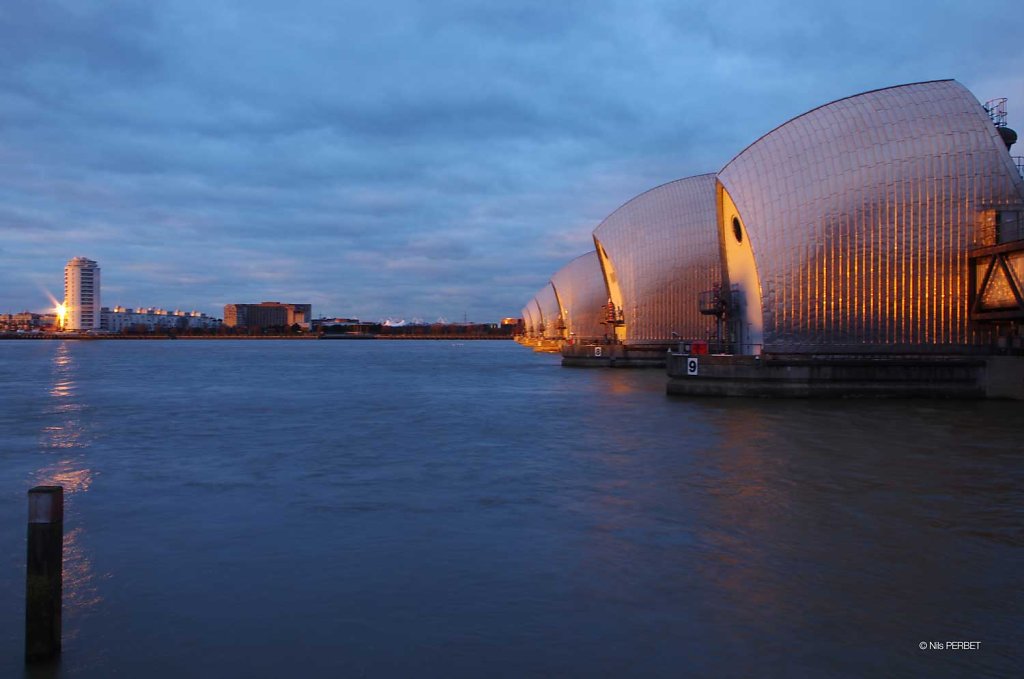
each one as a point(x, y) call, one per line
point(408, 159)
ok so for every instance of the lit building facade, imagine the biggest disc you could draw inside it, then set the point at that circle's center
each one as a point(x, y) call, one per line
point(81, 295)
point(658, 253)
point(121, 319)
point(581, 293)
point(852, 227)
point(267, 315)
point(27, 321)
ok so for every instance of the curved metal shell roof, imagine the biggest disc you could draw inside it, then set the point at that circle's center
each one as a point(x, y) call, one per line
point(580, 289)
point(861, 212)
point(551, 315)
point(528, 323)
point(662, 252)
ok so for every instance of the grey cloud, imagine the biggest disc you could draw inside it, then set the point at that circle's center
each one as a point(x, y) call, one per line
point(405, 159)
point(99, 36)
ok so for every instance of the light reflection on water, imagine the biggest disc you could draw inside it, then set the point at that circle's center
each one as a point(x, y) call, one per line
point(81, 582)
point(67, 473)
point(65, 434)
point(385, 510)
point(64, 430)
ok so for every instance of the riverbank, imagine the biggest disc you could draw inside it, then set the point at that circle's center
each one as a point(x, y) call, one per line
point(75, 336)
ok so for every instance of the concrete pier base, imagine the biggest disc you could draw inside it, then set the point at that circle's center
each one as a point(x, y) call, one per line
point(614, 356)
point(547, 346)
point(876, 376)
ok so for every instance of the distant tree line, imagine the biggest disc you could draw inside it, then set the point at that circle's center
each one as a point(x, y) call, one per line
point(489, 330)
point(432, 330)
point(221, 331)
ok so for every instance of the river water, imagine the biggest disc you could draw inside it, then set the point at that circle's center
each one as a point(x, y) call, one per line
point(439, 509)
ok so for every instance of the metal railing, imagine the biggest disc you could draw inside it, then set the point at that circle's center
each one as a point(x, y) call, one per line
point(996, 110)
point(714, 302)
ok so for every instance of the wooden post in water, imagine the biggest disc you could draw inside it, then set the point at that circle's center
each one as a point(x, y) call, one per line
point(44, 573)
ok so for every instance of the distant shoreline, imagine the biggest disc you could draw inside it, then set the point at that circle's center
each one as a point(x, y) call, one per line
point(91, 338)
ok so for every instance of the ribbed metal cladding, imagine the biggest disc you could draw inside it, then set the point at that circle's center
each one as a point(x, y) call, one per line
point(538, 319)
point(550, 313)
point(861, 214)
point(663, 247)
point(579, 287)
point(527, 321)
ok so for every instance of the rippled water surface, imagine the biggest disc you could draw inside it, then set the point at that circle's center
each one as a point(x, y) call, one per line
point(430, 509)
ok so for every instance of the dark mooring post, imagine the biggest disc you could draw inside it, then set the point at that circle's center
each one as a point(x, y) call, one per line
point(44, 573)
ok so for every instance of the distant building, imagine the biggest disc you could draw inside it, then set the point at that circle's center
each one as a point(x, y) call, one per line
point(510, 322)
point(82, 294)
point(318, 323)
point(267, 315)
point(26, 321)
point(120, 319)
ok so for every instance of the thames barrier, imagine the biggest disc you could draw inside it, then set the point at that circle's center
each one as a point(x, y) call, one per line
point(873, 246)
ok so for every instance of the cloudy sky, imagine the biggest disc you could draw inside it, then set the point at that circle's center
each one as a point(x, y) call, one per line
point(408, 159)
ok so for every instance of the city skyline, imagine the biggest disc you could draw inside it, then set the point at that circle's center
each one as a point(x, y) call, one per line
point(405, 162)
point(69, 312)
